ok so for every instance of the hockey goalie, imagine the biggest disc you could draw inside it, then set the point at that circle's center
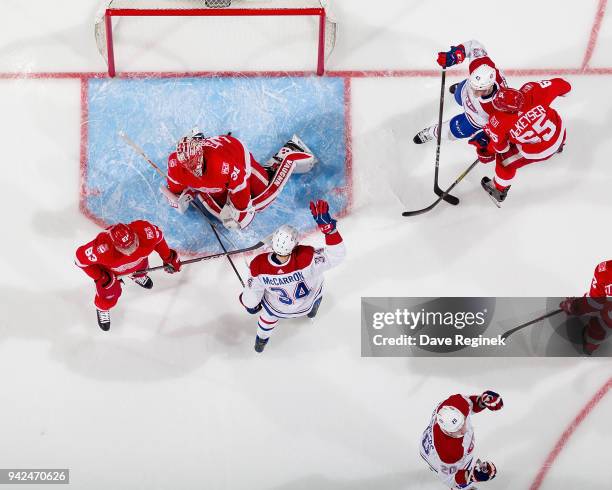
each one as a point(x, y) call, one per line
point(222, 174)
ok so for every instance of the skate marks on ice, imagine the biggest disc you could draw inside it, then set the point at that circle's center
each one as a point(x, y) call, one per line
point(262, 112)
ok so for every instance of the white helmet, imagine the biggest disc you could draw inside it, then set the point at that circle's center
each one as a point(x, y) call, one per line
point(483, 77)
point(284, 240)
point(450, 419)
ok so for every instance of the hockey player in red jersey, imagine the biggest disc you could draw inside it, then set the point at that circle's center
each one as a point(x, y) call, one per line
point(122, 249)
point(448, 442)
point(225, 177)
point(474, 94)
point(598, 304)
point(288, 282)
point(524, 129)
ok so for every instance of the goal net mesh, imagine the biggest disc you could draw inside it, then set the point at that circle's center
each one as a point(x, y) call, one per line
point(182, 7)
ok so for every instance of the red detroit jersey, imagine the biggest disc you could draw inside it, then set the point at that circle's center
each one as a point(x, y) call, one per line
point(100, 254)
point(537, 129)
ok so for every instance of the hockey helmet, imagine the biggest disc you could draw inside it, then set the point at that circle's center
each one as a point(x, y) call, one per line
point(284, 240)
point(508, 100)
point(483, 77)
point(123, 238)
point(190, 152)
point(450, 419)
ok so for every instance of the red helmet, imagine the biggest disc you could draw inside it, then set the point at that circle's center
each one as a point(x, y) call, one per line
point(124, 239)
point(190, 152)
point(508, 100)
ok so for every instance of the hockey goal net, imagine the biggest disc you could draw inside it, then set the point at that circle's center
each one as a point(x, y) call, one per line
point(113, 10)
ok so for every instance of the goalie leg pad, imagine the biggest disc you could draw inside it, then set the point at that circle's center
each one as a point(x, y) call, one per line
point(294, 145)
point(280, 179)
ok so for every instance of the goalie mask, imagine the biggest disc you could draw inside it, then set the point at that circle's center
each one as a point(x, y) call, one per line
point(190, 153)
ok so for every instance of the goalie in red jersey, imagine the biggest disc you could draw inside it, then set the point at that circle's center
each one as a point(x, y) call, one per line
point(523, 130)
point(122, 249)
point(598, 304)
point(225, 177)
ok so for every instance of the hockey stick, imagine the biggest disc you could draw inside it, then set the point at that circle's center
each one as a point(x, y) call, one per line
point(141, 152)
point(205, 257)
point(536, 320)
point(444, 193)
point(447, 197)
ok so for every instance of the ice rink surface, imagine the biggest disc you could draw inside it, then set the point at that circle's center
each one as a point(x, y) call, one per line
point(173, 397)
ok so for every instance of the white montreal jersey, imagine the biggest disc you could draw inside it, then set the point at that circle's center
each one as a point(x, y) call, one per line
point(450, 456)
point(478, 109)
point(291, 289)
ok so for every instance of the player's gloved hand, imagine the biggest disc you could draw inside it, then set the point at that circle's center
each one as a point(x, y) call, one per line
point(482, 144)
point(482, 471)
point(254, 310)
point(106, 280)
point(320, 213)
point(455, 56)
point(570, 306)
point(491, 400)
point(172, 263)
point(184, 199)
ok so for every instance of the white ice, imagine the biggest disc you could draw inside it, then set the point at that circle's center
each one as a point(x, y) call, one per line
point(174, 397)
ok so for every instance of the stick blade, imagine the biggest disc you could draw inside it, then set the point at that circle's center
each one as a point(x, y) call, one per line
point(449, 198)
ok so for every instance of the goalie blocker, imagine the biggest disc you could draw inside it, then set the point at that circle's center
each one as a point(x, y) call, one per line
point(225, 177)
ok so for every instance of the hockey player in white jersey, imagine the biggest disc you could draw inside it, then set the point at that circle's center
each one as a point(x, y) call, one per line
point(474, 94)
point(288, 282)
point(447, 444)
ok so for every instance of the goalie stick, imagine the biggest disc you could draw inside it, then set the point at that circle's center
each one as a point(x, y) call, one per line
point(444, 193)
point(527, 324)
point(206, 257)
point(141, 152)
point(447, 197)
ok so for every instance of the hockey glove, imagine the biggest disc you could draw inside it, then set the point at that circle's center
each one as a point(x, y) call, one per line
point(172, 263)
point(455, 56)
point(106, 280)
point(184, 199)
point(320, 213)
point(482, 142)
point(253, 311)
point(482, 471)
point(571, 306)
point(491, 400)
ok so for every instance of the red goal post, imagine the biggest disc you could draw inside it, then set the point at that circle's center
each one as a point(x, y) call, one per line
point(327, 27)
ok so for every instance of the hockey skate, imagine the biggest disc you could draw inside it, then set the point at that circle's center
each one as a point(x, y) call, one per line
point(493, 191)
point(424, 135)
point(143, 281)
point(315, 308)
point(294, 145)
point(260, 344)
point(103, 319)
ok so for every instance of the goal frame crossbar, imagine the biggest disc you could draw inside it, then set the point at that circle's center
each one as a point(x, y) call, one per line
point(213, 12)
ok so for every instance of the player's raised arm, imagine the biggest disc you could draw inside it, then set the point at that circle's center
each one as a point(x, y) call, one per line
point(335, 251)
